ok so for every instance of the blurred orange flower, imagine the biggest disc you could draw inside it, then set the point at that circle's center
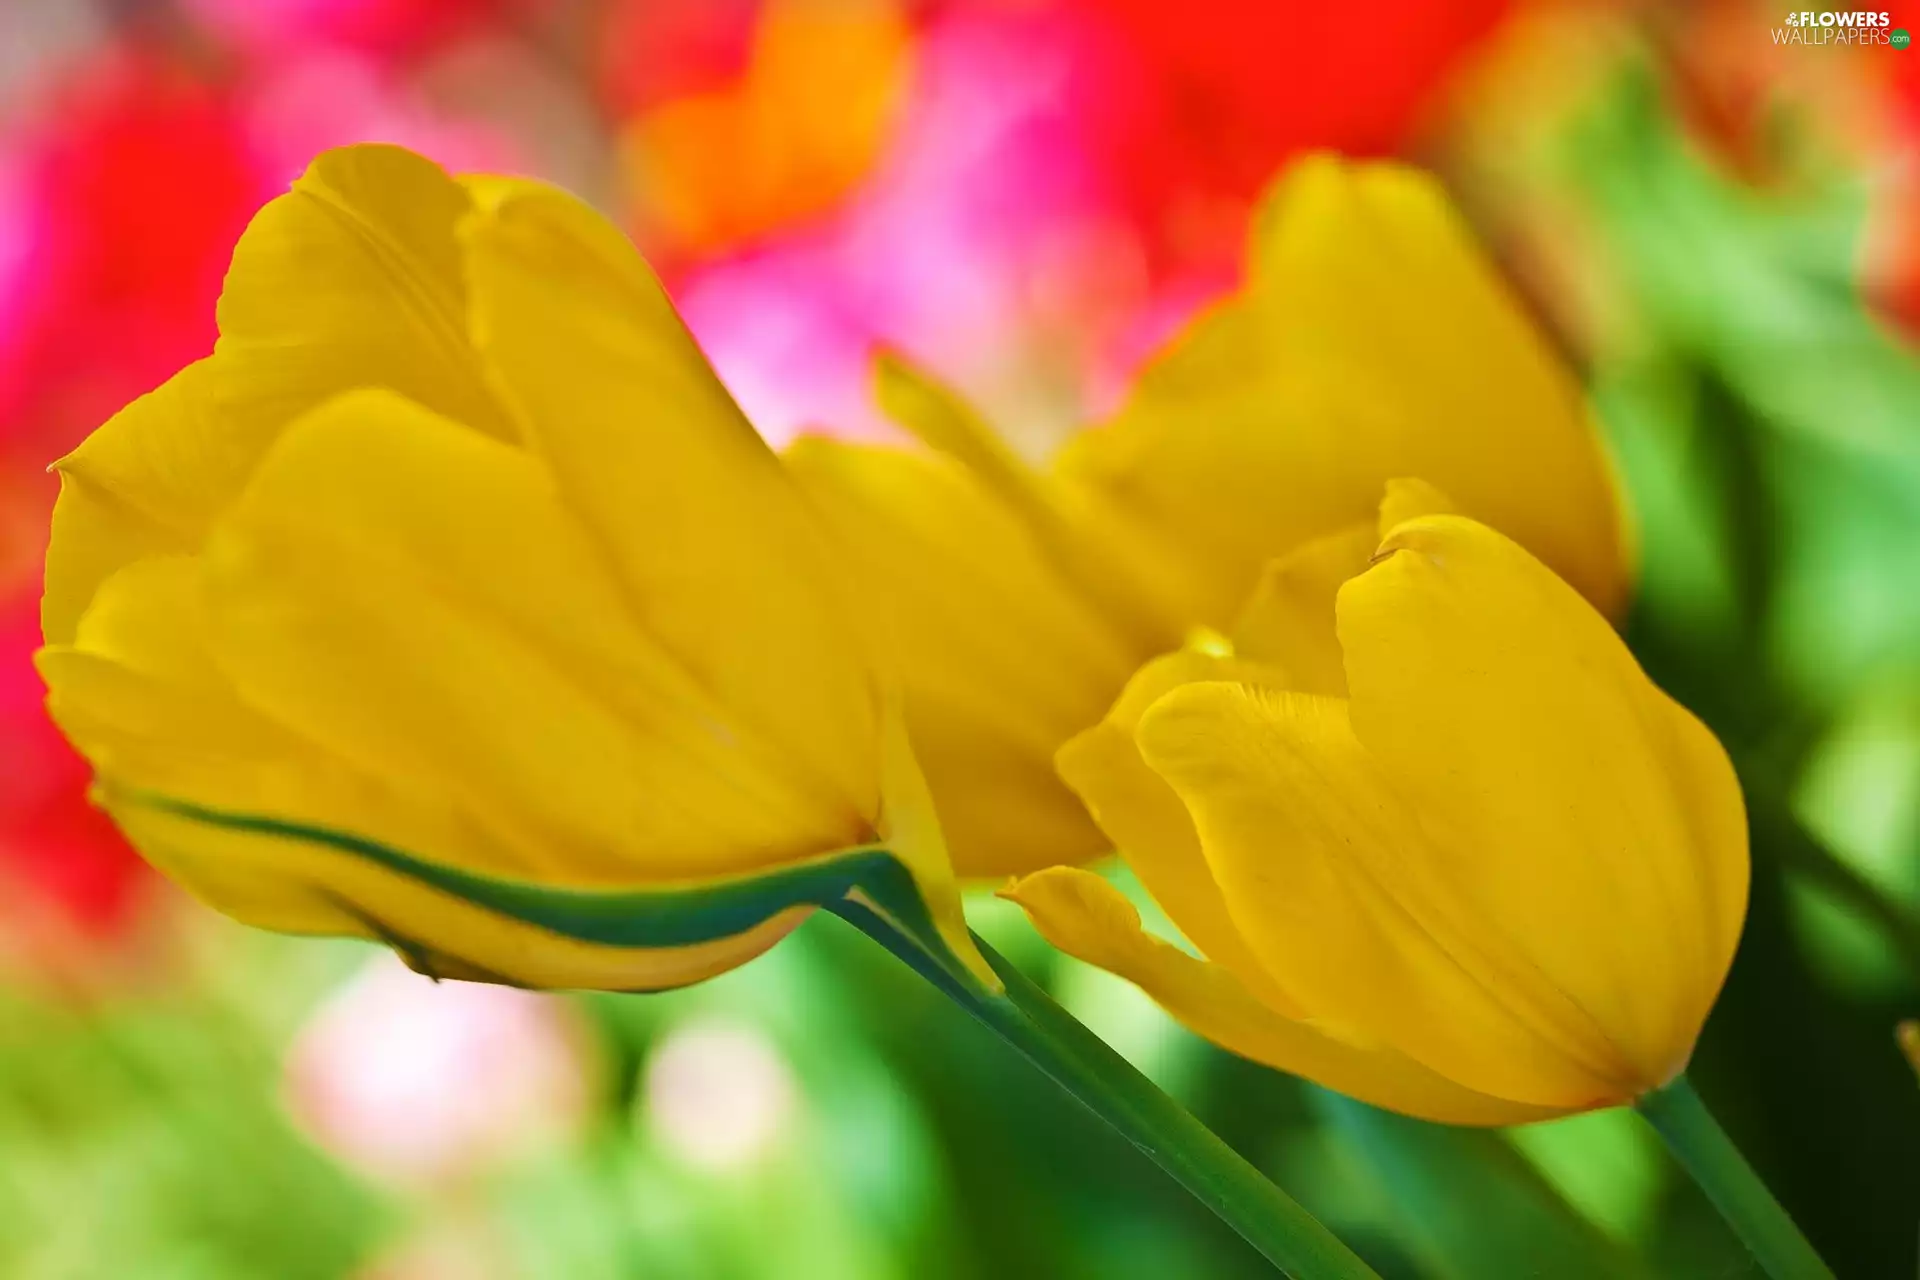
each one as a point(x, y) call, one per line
point(796, 130)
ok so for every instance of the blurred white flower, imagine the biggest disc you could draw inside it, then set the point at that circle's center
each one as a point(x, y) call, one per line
point(421, 1083)
point(718, 1095)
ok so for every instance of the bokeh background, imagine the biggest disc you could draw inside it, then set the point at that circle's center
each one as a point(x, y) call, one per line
point(1721, 230)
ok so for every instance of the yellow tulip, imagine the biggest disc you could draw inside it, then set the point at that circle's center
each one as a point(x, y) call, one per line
point(1455, 855)
point(1370, 341)
point(453, 602)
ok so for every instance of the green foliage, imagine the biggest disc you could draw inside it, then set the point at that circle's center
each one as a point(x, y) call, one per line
point(144, 1138)
point(1468, 1205)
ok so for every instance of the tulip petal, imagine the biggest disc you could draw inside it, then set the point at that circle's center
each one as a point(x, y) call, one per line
point(139, 693)
point(1332, 880)
point(141, 696)
point(1288, 622)
point(940, 419)
point(1119, 570)
point(351, 279)
point(413, 596)
point(723, 560)
point(354, 279)
point(1088, 918)
point(135, 487)
point(1000, 659)
point(1408, 499)
point(1582, 808)
point(1150, 826)
point(1372, 341)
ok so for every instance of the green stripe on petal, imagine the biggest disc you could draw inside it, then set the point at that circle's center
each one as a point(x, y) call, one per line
point(675, 915)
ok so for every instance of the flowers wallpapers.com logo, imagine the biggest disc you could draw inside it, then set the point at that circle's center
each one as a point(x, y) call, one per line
point(1807, 26)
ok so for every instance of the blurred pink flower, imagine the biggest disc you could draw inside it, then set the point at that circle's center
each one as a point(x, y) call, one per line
point(317, 98)
point(427, 1084)
point(983, 241)
point(387, 28)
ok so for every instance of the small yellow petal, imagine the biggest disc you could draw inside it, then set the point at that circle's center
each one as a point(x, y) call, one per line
point(1148, 823)
point(940, 419)
point(910, 828)
point(1288, 623)
point(1114, 566)
point(148, 482)
point(1408, 499)
point(1087, 918)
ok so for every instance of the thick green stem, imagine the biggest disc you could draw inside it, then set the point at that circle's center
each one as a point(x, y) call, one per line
point(1708, 1154)
point(1109, 1086)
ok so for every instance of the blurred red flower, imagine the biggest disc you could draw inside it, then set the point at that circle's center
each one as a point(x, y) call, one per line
point(122, 202)
point(123, 192)
point(1230, 89)
point(56, 850)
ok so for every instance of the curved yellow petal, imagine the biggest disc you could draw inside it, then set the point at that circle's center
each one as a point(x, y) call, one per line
point(1335, 883)
point(140, 693)
point(1371, 341)
point(941, 419)
point(1409, 498)
point(1150, 826)
point(910, 828)
point(1288, 621)
point(1572, 801)
point(1116, 568)
point(1088, 918)
point(351, 279)
point(413, 596)
point(137, 487)
point(724, 562)
point(355, 279)
point(1001, 660)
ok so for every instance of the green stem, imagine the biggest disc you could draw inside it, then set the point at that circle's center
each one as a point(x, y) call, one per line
point(1708, 1154)
point(1109, 1086)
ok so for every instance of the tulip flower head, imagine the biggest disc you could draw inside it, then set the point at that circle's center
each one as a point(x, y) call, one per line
point(1441, 844)
point(452, 602)
point(1370, 341)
